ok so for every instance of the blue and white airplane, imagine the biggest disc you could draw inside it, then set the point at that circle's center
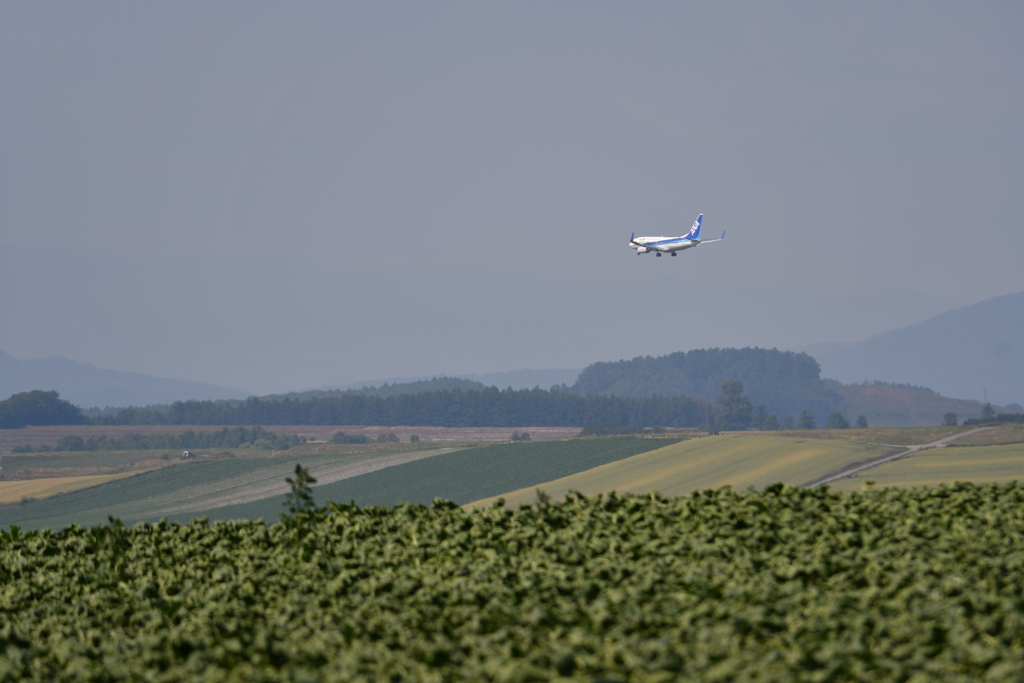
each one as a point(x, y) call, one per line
point(670, 245)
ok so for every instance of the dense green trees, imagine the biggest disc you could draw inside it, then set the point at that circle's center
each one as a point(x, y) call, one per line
point(836, 420)
point(1001, 417)
point(414, 387)
point(450, 408)
point(949, 420)
point(233, 437)
point(862, 422)
point(807, 420)
point(34, 408)
point(784, 381)
point(342, 437)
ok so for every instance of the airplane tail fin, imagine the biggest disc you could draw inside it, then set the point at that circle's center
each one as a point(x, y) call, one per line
point(694, 233)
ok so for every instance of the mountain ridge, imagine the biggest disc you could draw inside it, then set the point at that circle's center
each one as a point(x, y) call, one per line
point(975, 352)
point(89, 386)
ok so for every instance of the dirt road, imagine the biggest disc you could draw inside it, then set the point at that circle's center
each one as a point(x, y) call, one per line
point(889, 458)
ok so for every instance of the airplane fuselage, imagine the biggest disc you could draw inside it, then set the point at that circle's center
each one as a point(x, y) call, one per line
point(662, 245)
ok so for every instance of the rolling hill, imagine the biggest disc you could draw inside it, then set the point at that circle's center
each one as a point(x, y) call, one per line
point(739, 460)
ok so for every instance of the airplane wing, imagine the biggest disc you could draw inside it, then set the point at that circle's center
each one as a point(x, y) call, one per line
point(717, 240)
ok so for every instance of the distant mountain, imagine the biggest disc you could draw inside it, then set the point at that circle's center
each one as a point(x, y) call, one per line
point(88, 386)
point(963, 352)
point(517, 379)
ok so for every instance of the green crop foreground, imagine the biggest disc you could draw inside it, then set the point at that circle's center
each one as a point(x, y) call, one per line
point(785, 585)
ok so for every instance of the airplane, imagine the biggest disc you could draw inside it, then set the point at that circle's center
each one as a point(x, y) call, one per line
point(670, 245)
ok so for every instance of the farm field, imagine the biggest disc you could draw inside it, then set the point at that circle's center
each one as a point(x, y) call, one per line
point(785, 584)
point(736, 459)
point(1008, 433)
point(931, 467)
point(80, 463)
point(461, 476)
point(30, 489)
point(195, 486)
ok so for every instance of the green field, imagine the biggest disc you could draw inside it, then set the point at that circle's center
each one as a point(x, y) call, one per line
point(737, 459)
point(936, 466)
point(130, 498)
point(462, 476)
point(246, 483)
point(788, 584)
point(254, 487)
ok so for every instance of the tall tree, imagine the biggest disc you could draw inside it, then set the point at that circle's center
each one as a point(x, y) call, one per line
point(300, 498)
point(807, 420)
point(837, 420)
point(736, 410)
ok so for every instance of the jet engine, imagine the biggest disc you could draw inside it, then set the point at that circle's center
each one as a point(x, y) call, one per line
point(642, 250)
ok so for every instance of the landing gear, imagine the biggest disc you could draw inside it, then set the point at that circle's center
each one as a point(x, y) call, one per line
point(658, 254)
point(673, 253)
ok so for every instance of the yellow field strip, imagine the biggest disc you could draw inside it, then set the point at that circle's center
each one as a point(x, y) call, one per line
point(978, 464)
point(14, 491)
point(739, 460)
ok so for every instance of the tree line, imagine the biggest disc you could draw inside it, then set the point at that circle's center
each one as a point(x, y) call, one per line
point(235, 437)
point(489, 407)
point(988, 414)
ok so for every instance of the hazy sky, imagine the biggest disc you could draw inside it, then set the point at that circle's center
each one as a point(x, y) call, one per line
point(280, 196)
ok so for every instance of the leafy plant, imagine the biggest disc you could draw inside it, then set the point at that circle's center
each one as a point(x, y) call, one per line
point(787, 584)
